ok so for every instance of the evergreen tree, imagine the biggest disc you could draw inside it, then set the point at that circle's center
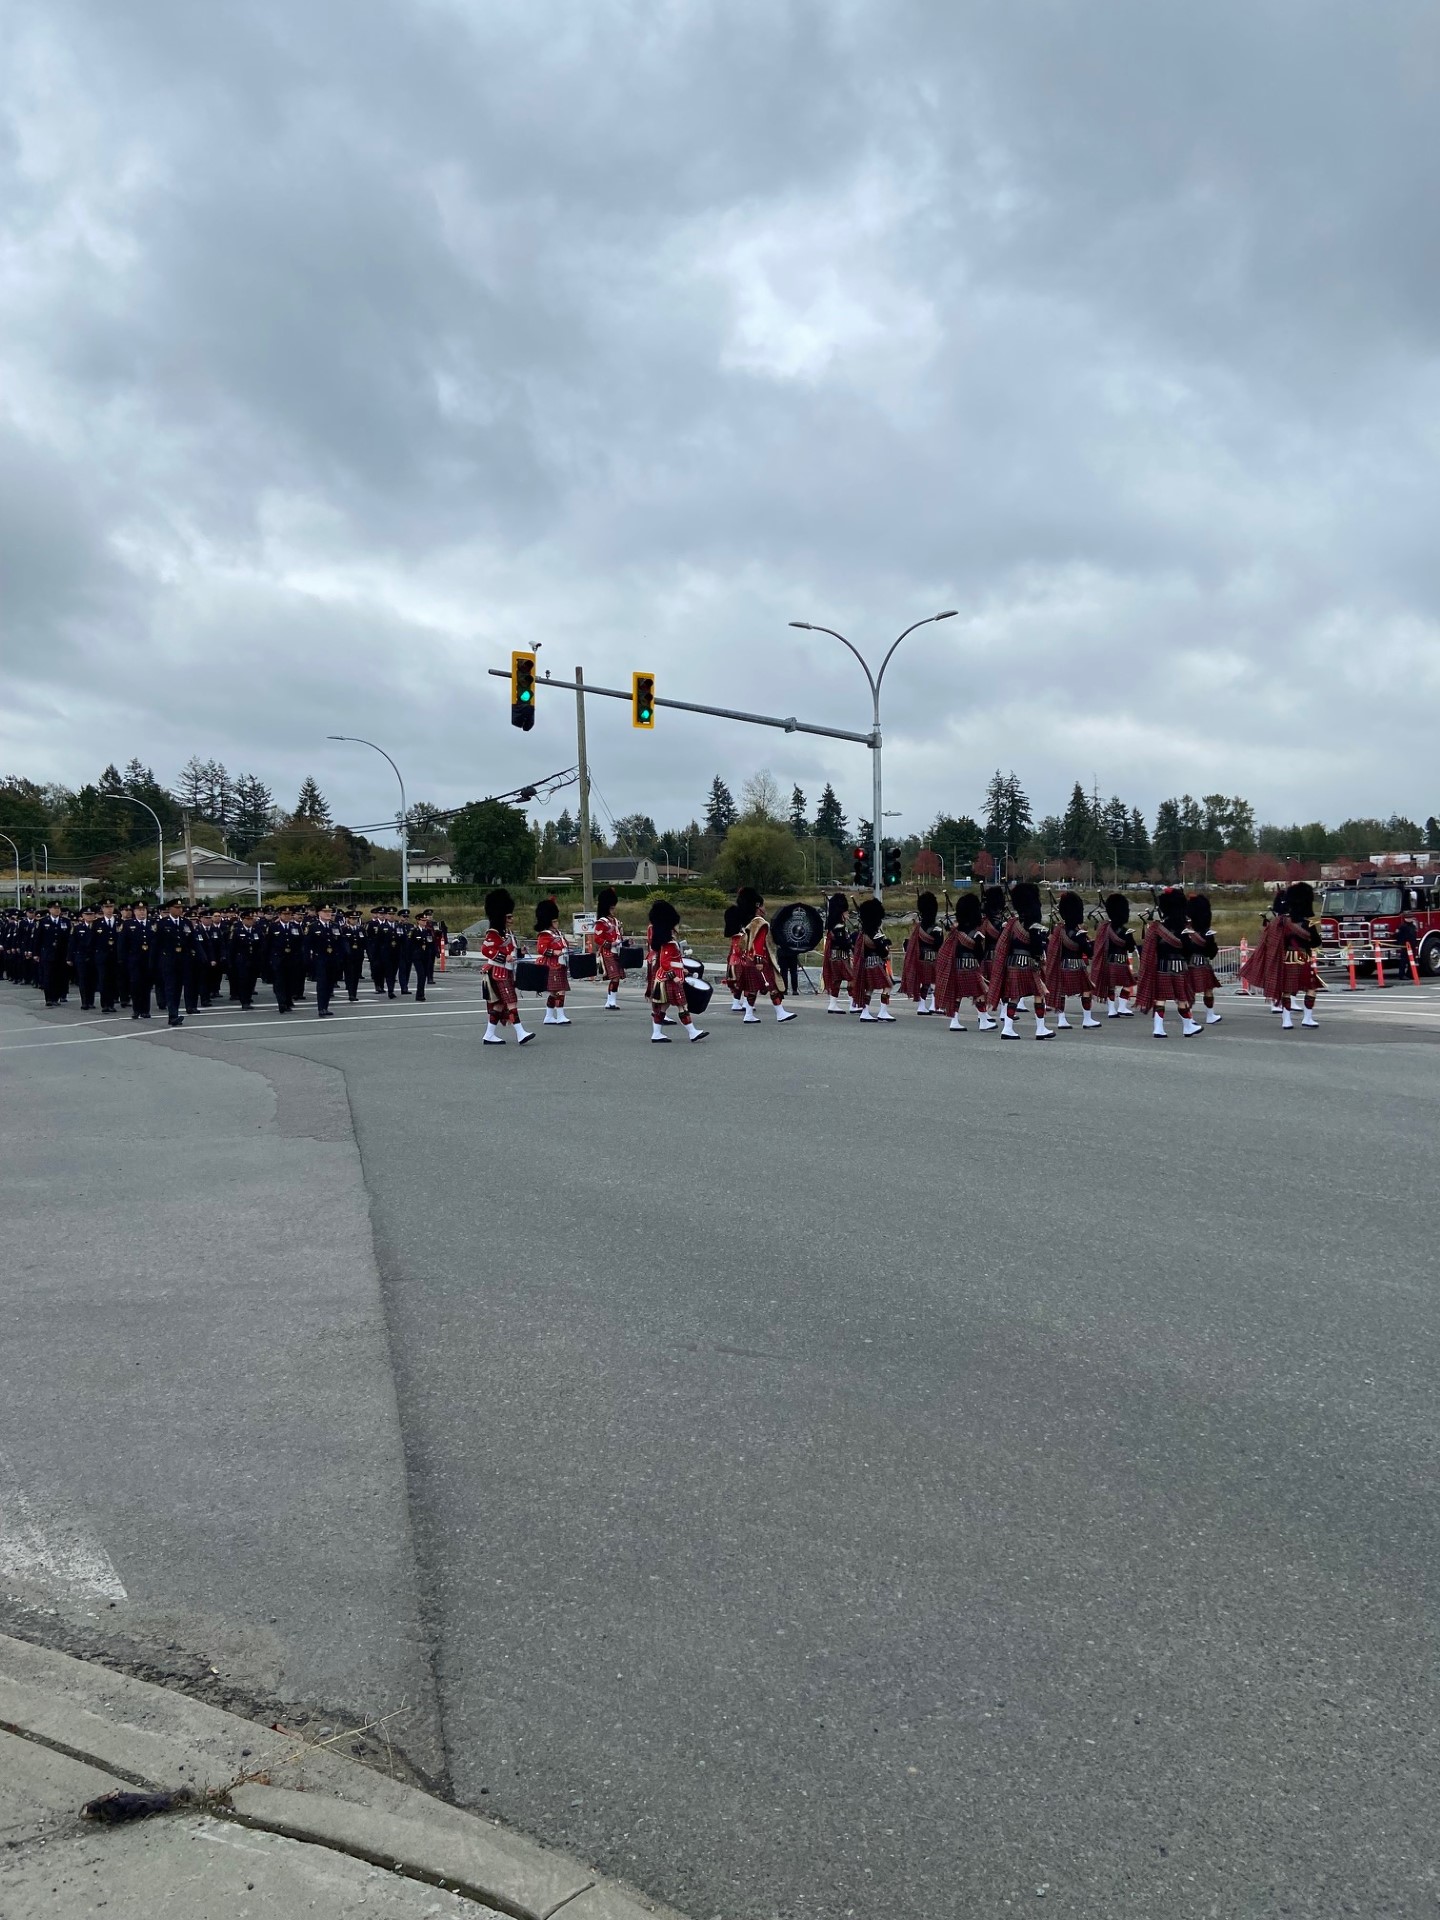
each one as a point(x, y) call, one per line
point(721, 813)
point(829, 819)
point(799, 825)
point(1081, 833)
point(311, 804)
point(957, 840)
point(192, 785)
point(1009, 821)
point(219, 803)
point(567, 833)
point(1169, 837)
point(253, 816)
point(1432, 834)
point(1142, 856)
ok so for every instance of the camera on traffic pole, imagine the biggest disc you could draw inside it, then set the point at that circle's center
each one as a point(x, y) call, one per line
point(522, 691)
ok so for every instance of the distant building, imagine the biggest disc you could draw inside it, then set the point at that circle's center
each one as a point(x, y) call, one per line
point(626, 873)
point(217, 875)
point(429, 872)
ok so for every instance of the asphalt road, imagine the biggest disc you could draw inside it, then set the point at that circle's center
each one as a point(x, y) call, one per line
point(829, 1470)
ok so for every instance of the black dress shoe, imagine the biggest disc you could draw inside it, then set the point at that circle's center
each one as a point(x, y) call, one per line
point(177, 1020)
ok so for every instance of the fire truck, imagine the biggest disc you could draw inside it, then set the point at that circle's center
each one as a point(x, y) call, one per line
point(1365, 914)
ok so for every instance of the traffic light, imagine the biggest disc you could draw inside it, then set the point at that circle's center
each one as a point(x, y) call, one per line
point(890, 864)
point(864, 868)
point(522, 691)
point(642, 699)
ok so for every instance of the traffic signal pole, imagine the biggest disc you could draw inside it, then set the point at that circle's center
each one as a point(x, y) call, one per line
point(587, 865)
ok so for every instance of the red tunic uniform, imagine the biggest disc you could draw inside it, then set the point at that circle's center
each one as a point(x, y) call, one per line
point(754, 970)
point(665, 977)
point(1164, 971)
point(1018, 968)
point(552, 950)
point(499, 951)
point(870, 967)
point(1067, 967)
point(607, 938)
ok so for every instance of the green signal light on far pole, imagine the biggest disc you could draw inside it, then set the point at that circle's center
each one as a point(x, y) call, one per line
point(642, 700)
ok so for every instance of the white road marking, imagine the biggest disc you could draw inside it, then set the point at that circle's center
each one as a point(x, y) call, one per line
point(51, 1550)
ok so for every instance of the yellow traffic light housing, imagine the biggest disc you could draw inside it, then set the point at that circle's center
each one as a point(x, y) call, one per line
point(522, 691)
point(642, 700)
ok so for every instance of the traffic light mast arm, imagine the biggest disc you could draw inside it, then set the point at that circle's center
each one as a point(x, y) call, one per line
point(720, 713)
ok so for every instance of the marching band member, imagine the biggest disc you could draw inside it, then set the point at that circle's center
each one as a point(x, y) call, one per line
point(552, 950)
point(1203, 949)
point(839, 942)
point(733, 923)
point(758, 969)
point(870, 965)
point(665, 973)
point(960, 964)
point(608, 934)
point(1165, 964)
point(922, 949)
point(1283, 963)
point(1017, 970)
point(992, 925)
point(1067, 961)
point(1110, 966)
point(499, 950)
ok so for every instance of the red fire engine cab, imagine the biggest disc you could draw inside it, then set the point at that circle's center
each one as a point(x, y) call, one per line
point(1368, 912)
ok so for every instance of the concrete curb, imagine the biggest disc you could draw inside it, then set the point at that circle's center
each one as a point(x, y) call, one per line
point(148, 1736)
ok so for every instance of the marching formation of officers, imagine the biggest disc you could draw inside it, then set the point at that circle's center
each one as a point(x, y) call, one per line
point(184, 957)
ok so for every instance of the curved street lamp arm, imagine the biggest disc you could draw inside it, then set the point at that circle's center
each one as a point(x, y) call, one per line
point(929, 618)
point(864, 668)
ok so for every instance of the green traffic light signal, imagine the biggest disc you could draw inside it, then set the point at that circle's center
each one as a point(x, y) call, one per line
point(642, 700)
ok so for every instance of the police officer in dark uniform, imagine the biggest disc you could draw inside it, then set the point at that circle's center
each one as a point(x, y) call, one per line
point(403, 951)
point(175, 962)
point(54, 953)
point(107, 935)
point(377, 949)
point(284, 952)
point(137, 960)
point(242, 958)
point(425, 942)
point(354, 953)
point(326, 949)
point(82, 957)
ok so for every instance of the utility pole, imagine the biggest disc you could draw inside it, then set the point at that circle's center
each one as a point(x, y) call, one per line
point(587, 868)
point(189, 861)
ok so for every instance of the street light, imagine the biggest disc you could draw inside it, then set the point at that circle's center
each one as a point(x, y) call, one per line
point(131, 801)
point(875, 680)
point(10, 843)
point(355, 740)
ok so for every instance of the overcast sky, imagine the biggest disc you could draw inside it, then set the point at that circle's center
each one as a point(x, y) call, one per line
point(345, 346)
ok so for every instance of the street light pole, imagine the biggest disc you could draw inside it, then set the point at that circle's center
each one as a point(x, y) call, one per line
point(10, 843)
point(131, 801)
point(876, 680)
point(355, 740)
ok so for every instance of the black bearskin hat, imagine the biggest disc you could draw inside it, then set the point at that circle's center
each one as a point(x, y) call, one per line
point(1198, 907)
point(872, 915)
point(1071, 909)
point(606, 901)
point(664, 917)
point(1117, 910)
point(1025, 898)
point(993, 902)
point(499, 905)
point(734, 920)
point(1171, 906)
point(1300, 900)
point(546, 914)
point(837, 908)
point(927, 909)
point(968, 912)
point(748, 901)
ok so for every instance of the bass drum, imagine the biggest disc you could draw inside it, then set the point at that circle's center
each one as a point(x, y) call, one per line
point(697, 993)
point(797, 928)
